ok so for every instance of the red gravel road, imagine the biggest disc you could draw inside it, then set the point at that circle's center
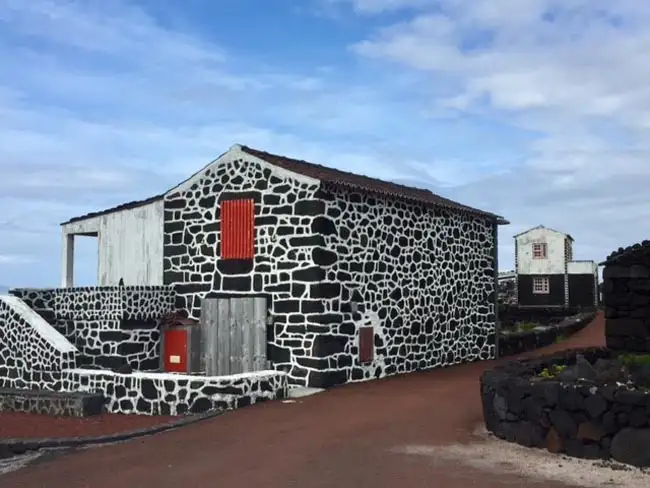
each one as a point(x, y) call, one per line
point(345, 437)
point(32, 426)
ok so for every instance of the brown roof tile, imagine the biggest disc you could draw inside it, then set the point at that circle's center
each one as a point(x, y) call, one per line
point(362, 183)
point(333, 177)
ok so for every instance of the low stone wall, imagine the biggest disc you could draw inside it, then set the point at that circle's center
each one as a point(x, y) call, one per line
point(626, 280)
point(581, 420)
point(58, 404)
point(111, 326)
point(509, 315)
point(32, 353)
point(512, 343)
point(176, 394)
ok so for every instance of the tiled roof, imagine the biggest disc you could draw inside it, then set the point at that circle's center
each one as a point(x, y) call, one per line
point(365, 184)
point(545, 228)
point(332, 177)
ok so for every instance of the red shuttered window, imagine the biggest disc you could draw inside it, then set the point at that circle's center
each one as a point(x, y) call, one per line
point(237, 229)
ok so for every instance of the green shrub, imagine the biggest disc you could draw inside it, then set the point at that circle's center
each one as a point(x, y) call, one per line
point(526, 326)
point(635, 359)
point(552, 371)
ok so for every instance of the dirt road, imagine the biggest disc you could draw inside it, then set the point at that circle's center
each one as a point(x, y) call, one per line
point(353, 436)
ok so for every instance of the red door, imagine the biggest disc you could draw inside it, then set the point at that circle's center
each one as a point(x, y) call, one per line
point(175, 350)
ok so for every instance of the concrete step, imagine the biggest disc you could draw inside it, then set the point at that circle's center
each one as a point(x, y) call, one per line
point(55, 403)
point(302, 391)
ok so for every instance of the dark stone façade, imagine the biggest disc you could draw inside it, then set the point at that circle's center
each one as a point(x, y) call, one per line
point(333, 261)
point(626, 295)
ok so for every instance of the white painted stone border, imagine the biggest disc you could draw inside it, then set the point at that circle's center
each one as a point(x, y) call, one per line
point(38, 323)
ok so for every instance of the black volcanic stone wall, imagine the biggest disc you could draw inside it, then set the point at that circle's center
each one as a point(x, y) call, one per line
point(517, 342)
point(27, 358)
point(174, 394)
point(58, 404)
point(626, 296)
point(510, 315)
point(288, 263)
point(580, 419)
point(423, 279)
point(111, 326)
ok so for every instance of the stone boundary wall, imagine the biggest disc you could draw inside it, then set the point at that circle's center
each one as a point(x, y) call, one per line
point(35, 356)
point(626, 293)
point(55, 403)
point(515, 342)
point(110, 326)
point(581, 420)
point(32, 353)
point(509, 315)
point(177, 394)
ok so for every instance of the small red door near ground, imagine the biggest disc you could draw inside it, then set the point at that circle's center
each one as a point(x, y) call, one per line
point(175, 350)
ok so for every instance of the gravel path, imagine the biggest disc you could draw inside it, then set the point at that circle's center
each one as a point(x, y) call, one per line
point(410, 431)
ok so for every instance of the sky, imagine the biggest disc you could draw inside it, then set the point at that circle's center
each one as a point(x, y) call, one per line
point(538, 110)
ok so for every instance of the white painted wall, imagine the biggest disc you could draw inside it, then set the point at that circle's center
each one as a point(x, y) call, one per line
point(582, 267)
point(85, 226)
point(130, 246)
point(554, 264)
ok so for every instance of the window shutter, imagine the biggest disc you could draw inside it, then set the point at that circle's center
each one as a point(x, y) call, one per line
point(237, 229)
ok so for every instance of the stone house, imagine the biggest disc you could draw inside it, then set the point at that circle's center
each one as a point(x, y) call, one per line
point(362, 278)
point(547, 275)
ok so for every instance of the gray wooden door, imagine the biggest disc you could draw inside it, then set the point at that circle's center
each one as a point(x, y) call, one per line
point(233, 335)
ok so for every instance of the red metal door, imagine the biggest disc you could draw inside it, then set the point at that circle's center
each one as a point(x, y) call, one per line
point(175, 351)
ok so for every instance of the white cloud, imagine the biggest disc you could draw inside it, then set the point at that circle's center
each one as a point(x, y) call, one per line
point(543, 121)
point(111, 106)
point(572, 73)
point(8, 259)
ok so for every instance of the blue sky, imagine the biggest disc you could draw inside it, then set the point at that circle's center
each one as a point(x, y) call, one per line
point(534, 109)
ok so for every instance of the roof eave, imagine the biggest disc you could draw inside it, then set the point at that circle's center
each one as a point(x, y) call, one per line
point(118, 208)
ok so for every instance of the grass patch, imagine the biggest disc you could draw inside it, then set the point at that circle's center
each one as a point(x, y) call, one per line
point(560, 338)
point(526, 326)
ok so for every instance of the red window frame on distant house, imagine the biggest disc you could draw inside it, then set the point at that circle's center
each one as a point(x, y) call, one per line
point(541, 285)
point(539, 250)
point(237, 229)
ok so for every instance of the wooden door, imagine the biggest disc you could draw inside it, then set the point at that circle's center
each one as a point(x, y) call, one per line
point(233, 335)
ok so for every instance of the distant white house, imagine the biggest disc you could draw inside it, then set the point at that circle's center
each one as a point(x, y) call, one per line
point(548, 276)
